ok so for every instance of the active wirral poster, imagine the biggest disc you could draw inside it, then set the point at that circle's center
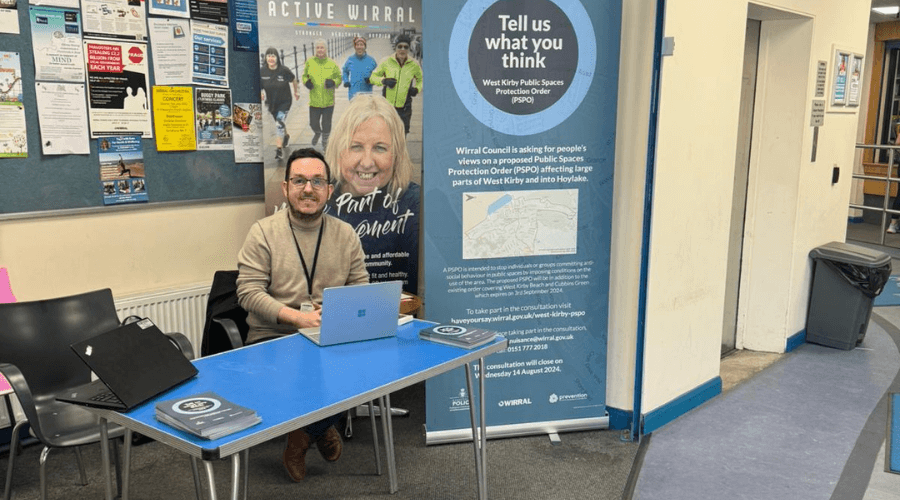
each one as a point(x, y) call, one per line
point(520, 127)
point(315, 59)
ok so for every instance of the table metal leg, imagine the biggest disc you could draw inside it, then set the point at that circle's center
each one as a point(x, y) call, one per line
point(195, 469)
point(235, 476)
point(104, 457)
point(476, 434)
point(388, 443)
point(390, 439)
point(211, 481)
point(126, 472)
point(246, 454)
point(375, 438)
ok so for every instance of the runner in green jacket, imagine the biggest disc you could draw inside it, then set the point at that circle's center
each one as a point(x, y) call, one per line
point(401, 77)
point(321, 76)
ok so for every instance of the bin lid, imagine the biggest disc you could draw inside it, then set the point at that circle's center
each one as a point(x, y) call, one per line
point(850, 254)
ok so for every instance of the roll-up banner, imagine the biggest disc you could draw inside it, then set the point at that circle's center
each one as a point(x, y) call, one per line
point(519, 137)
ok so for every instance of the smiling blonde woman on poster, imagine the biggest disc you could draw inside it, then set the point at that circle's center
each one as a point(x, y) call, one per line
point(373, 191)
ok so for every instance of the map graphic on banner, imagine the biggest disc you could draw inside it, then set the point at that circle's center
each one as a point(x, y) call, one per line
point(521, 135)
point(329, 73)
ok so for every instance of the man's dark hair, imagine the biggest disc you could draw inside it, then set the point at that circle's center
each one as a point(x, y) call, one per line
point(306, 153)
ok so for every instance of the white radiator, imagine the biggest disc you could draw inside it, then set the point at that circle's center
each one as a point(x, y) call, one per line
point(176, 310)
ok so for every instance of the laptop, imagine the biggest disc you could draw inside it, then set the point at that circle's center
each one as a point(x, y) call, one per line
point(357, 312)
point(133, 363)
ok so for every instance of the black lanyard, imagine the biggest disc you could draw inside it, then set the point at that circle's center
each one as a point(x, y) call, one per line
point(309, 276)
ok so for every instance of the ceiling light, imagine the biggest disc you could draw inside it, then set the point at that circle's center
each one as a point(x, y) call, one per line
point(887, 11)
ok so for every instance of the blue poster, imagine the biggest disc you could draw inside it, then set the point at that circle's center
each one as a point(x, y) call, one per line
point(519, 124)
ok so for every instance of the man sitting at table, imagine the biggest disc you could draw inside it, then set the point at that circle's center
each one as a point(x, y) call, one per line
point(287, 260)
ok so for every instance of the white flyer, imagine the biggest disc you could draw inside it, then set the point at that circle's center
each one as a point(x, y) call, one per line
point(118, 19)
point(9, 17)
point(170, 40)
point(247, 125)
point(210, 54)
point(56, 43)
point(62, 114)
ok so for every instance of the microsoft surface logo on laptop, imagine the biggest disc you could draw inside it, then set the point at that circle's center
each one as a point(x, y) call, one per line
point(360, 313)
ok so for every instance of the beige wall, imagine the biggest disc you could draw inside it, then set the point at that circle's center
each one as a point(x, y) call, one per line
point(792, 206)
point(128, 251)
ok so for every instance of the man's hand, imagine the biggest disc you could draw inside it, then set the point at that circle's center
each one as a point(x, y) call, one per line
point(329, 83)
point(389, 82)
point(294, 317)
point(347, 84)
point(413, 91)
point(308, 84)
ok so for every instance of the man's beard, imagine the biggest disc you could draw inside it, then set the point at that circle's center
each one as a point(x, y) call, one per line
point(306, 217)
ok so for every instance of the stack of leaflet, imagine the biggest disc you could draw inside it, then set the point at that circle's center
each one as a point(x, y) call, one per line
point(459, 336)
point(206, 415)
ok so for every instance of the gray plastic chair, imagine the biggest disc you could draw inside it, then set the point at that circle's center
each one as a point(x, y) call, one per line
point(39, 364)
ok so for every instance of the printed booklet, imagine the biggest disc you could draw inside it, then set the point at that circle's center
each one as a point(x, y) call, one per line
point(207, 415)
point(459, 336)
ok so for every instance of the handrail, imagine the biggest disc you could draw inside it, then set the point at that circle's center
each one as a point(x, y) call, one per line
point(887, 178)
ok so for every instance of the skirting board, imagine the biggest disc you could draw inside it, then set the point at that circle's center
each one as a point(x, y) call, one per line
point(619, 419)
point(514, 430)
point(795, 341)
point(681, 405)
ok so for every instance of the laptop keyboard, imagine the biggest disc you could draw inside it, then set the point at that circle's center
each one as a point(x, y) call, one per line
point(107, 397)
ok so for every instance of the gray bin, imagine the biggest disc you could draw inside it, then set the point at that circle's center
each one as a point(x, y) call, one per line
point(846, 280)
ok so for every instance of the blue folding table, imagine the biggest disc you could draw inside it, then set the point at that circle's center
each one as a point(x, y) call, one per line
point(291, 383)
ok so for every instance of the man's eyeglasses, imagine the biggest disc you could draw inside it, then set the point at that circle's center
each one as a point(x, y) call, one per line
point(402, 46)
point(316, 182)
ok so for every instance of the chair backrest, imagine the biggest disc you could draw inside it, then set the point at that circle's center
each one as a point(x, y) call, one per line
point(36, 336)
point(222, 304)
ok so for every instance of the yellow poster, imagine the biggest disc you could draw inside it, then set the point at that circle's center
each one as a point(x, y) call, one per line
point(173, 113)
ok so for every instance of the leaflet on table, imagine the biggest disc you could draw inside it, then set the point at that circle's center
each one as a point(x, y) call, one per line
point(213, 111)
point(207, 415)
point(173, 112)
point(9, 17)
point(62, 114)
point(210, 54)
point(247, 123)
point(13, 135)
point(118, 98)
point(122, 169)
point(214, 11)
point(466, 337)
point(119, 19)
point(175, 8)
point(170, 40)
point(56, 43)
point(245, 26)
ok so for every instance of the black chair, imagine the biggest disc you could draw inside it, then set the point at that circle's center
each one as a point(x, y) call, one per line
point(39, 364)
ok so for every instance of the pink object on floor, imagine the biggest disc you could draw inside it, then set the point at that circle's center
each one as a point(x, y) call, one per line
point(6, 294)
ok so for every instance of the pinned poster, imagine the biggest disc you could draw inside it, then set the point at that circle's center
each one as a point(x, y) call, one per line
point(173, 112)
point(13, 133)
point(212, 109)
point(56, 43)
point(118, 88)
point(9, 17)
point(210, 54)
point(122, 176)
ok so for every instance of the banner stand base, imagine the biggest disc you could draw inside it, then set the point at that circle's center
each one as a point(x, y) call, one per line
point(514, 430)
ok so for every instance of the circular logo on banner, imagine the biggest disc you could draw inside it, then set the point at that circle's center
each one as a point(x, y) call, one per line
point(530, 63)
point(135, 55)
point(522, 56)
point(196, 405)
point(450, 330)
